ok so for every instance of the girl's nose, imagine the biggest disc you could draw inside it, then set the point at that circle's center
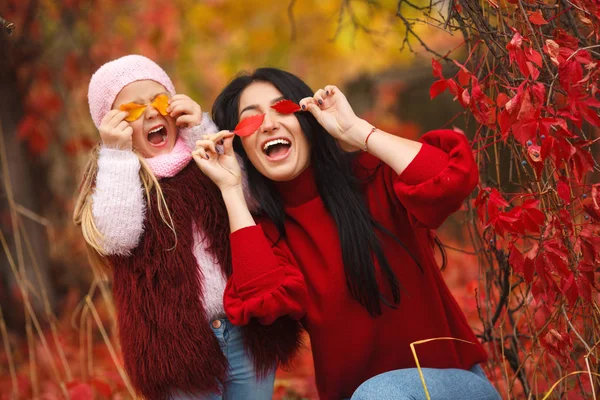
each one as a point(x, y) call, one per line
point(151, 112)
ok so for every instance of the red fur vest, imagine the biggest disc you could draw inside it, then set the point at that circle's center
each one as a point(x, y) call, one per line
point(166, 340)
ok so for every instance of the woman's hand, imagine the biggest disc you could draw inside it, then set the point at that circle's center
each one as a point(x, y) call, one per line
point(115, 131)
point(331, 109)
point(222, 169)
point(187, 112)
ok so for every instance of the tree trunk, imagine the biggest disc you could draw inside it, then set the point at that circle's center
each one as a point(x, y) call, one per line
point(22, 185)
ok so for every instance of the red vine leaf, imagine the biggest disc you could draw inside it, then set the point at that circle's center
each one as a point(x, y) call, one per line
point(581, 162)
point(537, 18)
point(501, 99)
point(286, 107)
point(437, 88)
point(563, 190)
point(249, 125)
point(521, 265)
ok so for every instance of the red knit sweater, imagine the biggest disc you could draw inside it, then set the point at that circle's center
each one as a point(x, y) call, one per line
point(349, 346)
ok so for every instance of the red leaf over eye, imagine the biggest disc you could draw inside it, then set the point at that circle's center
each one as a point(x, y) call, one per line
point(286, 107)
point(249, 125)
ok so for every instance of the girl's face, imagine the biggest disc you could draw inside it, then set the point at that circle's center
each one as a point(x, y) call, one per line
point(153, 133)
point(278, 150)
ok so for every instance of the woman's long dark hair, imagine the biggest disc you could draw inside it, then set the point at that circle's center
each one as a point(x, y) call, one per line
point(336, 183)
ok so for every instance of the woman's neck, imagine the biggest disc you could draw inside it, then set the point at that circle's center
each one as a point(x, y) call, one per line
point(298, 190)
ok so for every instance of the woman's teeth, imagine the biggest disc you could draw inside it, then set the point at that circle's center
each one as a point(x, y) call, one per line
point(274, 142)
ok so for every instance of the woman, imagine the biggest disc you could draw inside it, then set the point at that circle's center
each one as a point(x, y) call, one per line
point(352, 207)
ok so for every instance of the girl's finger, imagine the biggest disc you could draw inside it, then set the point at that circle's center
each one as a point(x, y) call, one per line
point(117, 118)
point(128, 131)
point(122, 126)
point(178, 109)
point(179, 97)
point(108, 116)
point(176, 102)
point(185, 119)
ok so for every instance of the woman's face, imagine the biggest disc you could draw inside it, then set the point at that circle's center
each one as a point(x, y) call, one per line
point(153, 133)
point(278, 149)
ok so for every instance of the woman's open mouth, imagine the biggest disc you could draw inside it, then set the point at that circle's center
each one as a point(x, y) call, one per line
point(157, 136)
point(277, 149)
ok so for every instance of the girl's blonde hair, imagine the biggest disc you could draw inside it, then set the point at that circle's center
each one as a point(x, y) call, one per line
point(83, 217)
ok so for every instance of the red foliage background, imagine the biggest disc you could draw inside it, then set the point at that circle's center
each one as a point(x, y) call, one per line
point(527, 78)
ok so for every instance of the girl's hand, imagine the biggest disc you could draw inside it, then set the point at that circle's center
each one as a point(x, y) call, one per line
point(331, 109)
point(222, 169)
point(187, 112)
point(115, 131)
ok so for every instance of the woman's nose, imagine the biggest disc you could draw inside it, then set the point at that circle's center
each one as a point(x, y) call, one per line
point(269, 123)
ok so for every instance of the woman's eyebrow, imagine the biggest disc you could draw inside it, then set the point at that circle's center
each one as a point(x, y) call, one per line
point(277, 99)
point(250, 107)
point(255, 106)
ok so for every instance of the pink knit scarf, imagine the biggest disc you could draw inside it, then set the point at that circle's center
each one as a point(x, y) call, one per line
point(169, 165)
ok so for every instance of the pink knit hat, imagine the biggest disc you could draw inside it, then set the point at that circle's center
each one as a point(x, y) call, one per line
point(113, 76)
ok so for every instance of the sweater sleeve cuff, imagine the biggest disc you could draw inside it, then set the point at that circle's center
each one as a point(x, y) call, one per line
point(429, 162)
point(193, 133)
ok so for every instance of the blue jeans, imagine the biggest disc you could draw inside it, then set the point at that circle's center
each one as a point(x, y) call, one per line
point(442, 384)
point(242, 382)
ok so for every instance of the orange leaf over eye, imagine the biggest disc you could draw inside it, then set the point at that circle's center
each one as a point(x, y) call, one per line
point(134, 110)
point(161, 102)
point(249, 125)
point(286, 107)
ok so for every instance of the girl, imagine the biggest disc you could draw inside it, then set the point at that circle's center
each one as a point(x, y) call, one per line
point(161, 226)
point(356, 222)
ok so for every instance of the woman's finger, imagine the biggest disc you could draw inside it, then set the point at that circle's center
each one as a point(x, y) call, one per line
point(228, 146)
point(305, 102)
point(216, 137)
point(206, 145)
point(319, 96)
point(330, 90)
point(200, 154)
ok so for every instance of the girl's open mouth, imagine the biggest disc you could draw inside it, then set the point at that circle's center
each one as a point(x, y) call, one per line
point(157, 136)
point(277, 149)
